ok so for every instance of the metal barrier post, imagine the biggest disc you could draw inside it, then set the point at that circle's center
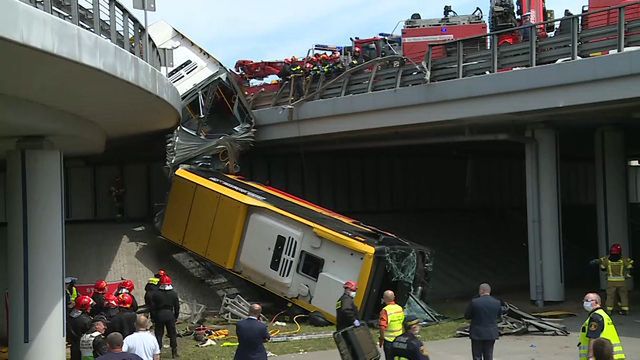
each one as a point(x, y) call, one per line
point(621, 28)
point(125, 30)
point(574, 38)
point(533, 37)
point(460, 57)
point(47, 6)
point(429, 62)
point(96, 18)
point(75, 19)
point(494, 53)
point(112, 21)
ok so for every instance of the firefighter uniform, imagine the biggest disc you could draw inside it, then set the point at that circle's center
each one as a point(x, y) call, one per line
point(617, 272)
point(123, 322)
point(394, 316)
point(346, 312)
point(599, 324)
point(166, 307)
point(78, 323)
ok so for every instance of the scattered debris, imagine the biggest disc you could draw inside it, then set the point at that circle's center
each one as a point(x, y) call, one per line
point(234, 309)
point(518, 322)
point(207, 342)
point(279, 323)
point(139, 228)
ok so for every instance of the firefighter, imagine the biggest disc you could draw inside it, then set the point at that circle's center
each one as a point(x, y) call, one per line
point(166, 308)
point(117, 191)
point(99, 290)
point(297, 78)
point(124, 321)
point(391, 319)
point(346, 309)
point(78, 323)
point(598, 324)
point(407, 346)
point(150, 288)
point(127, 287)
point(327, 66)
point(336, 60)
point(357, 57)
point(109, 308)
point(618, 270)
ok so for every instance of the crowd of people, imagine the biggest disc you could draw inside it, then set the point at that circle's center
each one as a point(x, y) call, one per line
point(311, 68)
point(111, 326)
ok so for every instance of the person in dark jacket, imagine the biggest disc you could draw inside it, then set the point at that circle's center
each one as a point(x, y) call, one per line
point(124, 322)
point(252, 334)
point(407, 346)
point(78, 323)
point(152, 286)
point(346, 309)
point(127, 287)
point(165, 306)
point(484, 312)
point(109, 309)
point(99, 290)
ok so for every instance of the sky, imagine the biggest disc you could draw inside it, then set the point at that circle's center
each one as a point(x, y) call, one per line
point(276, 29)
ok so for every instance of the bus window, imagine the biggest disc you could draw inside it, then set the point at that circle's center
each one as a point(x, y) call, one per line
point(310, 265)
point(277, 253)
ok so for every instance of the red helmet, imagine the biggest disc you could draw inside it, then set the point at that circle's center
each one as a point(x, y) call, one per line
point(351, 285)
point(287, 61)
point(100, 287)
point(127, 284)
point(357, 49)
point(161, 273)
point(335, 55)
point(616, 249)
point(324, 57)
point(165, 280)
point(293, 59)
point(83, 303)
point(125, 301)
point(110, 301)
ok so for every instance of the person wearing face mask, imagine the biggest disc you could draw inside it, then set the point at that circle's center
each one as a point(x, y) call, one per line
point(407, 346)
point(346, 309)
point(598, 324)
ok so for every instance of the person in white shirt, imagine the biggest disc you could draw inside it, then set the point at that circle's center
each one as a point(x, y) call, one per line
point(142, 342)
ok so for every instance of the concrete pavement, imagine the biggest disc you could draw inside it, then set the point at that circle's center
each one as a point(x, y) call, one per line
point(528, 347)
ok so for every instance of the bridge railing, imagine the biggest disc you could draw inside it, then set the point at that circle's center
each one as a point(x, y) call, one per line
point(106, 18)
point(573, 37)
point(390, 72)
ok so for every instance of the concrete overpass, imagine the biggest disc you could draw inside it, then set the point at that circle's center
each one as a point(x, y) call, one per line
point(528, 106)
point(71, 82)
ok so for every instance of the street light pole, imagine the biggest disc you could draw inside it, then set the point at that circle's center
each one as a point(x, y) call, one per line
point(146, 32)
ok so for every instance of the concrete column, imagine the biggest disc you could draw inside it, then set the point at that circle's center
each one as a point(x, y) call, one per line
point(546, 277)
point(36, 252)
point(611, 192)
point(4, 283)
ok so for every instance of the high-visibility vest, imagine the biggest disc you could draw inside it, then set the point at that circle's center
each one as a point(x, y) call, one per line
point(73, 294)
point(395, 316)
point(609, 332)
point(616, 269)
point(153, 280)
point(86, 345)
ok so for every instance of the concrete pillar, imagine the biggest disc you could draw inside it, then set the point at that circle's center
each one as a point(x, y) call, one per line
point(4, 283)
point(546, 277)
point(36, 252)
point(611, 192)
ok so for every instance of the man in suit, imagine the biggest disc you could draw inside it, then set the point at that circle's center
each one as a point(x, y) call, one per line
point(484, 312)
point(252, 333)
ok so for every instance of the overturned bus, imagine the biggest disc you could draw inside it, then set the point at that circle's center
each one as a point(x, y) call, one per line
point(290, 247)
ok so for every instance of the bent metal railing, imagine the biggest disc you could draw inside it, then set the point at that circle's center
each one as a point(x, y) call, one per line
point(106, 18)
point(573, 37)
point(590, 34)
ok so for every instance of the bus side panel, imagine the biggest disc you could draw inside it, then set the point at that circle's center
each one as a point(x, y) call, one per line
point(201, 219)
point(178, 208)
point(227, 231)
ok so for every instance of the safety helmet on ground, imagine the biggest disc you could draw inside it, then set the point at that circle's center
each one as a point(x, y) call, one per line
point(125, 301)
point(83, 303)
point(351, 285)
point(165, 280)
point(110, 301)
point(616, 249)
point(127, 284)
point(100, 287)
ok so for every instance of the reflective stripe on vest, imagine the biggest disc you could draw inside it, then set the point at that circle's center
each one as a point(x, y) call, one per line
point(86, 345)
point(615, 273)
point(609, 332)
point(395, 317)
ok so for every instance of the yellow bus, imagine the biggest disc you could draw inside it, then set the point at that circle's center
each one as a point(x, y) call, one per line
point(293, 248)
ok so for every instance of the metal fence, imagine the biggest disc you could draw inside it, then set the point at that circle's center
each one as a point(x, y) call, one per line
point(106, 18)
point(573, 37)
